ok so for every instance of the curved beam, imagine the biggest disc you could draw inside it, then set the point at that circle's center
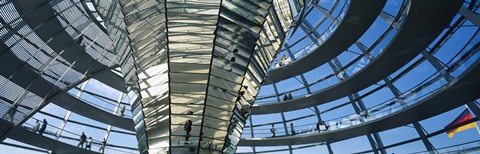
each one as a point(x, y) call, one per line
point(49, 99)
point(78, 106)
point(360, 15)
point(31, 138)
point(458, 92)
point(421, 20)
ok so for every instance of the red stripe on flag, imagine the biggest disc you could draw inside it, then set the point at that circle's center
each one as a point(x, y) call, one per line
point(463, 119)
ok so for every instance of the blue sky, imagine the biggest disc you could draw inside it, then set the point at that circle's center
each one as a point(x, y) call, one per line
point(75, 129)
point(399, 134)
point(416, 76)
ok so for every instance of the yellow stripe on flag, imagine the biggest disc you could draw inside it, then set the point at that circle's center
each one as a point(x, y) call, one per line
point(461, 128)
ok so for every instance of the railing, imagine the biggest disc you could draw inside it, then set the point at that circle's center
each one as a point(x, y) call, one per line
point(327, 32)
point(305, 49)
point(351, 68)
point(431, 85)
point(104, 105)
point(10, 113)
point(51, 130)
point(471, 43)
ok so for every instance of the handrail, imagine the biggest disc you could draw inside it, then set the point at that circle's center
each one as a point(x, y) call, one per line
point(53, 135)
point(332, 77)
point(84, 124)
point(100, 107)
point(327, 33)
point(358, 59)
point(432, 134)
point(392, 105)
point(454, 28)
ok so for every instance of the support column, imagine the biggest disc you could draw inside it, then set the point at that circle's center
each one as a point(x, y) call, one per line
point(109, 127)
point(69, 113)
point(317, 111)
point(283, 116)
point(470, 15)
point(375, 141)
point(324, 12)
point(389, 19)
point(446, 75)
point(309, 29)
point(251, 133)
point(474, 108)
point(290, 54)
point(428, 145)
point(330, 151)
point(278, 24)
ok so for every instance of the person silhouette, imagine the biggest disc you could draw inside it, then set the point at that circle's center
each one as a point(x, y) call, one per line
point(83, 137)
point(36, 126)
point(89, 144)
point(273, 130)
point(44, 126)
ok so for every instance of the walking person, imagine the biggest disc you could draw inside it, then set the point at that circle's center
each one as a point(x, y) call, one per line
point(318, 127)
point(187, 127)
point(282, 61)
point(35, 126)
point(89, 144)
point(292, 130)
point(102, 146)
point(273, 130)
point(44, 126)
point(122, 111)
point(83, 137)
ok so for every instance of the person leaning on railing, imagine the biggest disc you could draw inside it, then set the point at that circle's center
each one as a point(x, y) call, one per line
point(282, 61)
point(35, 126)
point(44, 126)
point(89, 144)
point(122, 111)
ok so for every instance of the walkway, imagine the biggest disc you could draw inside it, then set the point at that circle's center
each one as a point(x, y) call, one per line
point(360, 15)
point(402, 49)
point(456, 93)
point(28, 137)
point(85, 109)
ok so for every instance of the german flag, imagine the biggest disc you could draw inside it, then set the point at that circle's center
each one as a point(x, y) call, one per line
point(454, 126)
